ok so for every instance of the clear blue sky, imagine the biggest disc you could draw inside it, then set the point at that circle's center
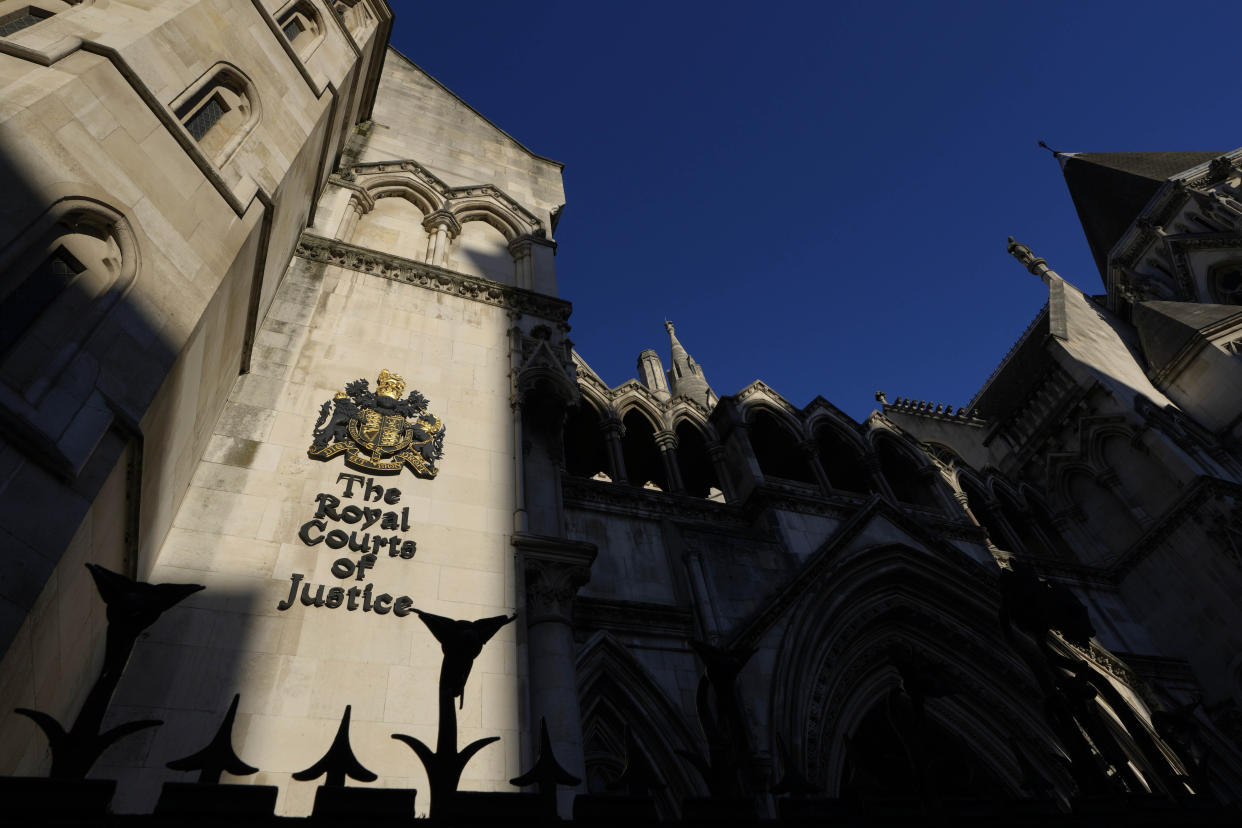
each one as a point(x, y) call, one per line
point(819, 194)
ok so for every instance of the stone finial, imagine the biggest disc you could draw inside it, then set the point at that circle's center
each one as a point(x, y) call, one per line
point(1031, 262)
point(881, 397)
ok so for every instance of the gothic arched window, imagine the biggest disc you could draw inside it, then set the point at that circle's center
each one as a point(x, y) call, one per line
point(57, 288)
point(904, 475)
point(776, 448)
point(219, 110)
point(302, 27)
point(643, 465)
point(842, 461)
point(698, 474)
point(586, 454)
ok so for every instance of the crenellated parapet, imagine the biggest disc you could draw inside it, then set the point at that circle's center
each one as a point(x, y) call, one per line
point(932, 410)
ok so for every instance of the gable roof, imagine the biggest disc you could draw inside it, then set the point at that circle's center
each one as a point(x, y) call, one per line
point(393, 50)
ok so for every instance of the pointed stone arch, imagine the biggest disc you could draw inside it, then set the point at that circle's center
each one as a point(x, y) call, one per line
point(698, 473)
point(911, 474)
point(777, 439)
point(835, 661)
point(585, 449)
point(638, 399)
point(1105, 524)
point(842, 452)
point(404, 184)
point(615, 690)
point(643, 463)
point(510, 224)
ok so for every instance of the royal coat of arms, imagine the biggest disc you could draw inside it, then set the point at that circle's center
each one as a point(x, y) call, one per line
point(379, 432)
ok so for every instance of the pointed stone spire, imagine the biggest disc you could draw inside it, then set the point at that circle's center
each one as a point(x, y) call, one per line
point(685, 377)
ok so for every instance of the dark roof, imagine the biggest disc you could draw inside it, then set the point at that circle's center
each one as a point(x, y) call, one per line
point(1011, 382)
point(1166, 327)
point(1110, 189)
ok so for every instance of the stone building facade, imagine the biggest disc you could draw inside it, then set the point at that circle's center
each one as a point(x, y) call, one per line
point(223, 215)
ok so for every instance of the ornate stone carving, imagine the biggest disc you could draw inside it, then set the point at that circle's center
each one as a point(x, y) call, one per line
point(555, 569)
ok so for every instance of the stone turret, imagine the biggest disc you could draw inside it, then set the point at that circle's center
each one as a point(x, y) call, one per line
point(685, 377)
point(651, 373)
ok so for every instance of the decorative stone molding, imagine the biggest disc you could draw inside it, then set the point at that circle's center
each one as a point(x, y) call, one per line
point(1218, 170)
point(397, 269)
point(450, 196)
point(555, 569)
point(1180, 249)
point(541, 366)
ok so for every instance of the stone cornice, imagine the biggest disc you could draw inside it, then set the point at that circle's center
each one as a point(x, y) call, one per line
point(394, 268)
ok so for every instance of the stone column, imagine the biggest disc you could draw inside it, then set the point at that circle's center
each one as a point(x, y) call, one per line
point(740, 465)
point(613, 430)
point(963, 500)
point(441, 226)
point(523, 266)
point(872, 465)
point(349, 221)
point(996, 517)
point(554, 569)
point(716, 452)
point(810, 450)
point(666, 441)
point(931, 478)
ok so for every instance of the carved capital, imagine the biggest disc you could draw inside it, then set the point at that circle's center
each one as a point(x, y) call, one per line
point(442, 218)
point(523, 244)
point(612, 427)
point(555, 569)
point(666, 440)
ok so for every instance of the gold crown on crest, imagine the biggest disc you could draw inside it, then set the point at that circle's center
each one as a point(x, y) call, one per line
point(389, 385)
